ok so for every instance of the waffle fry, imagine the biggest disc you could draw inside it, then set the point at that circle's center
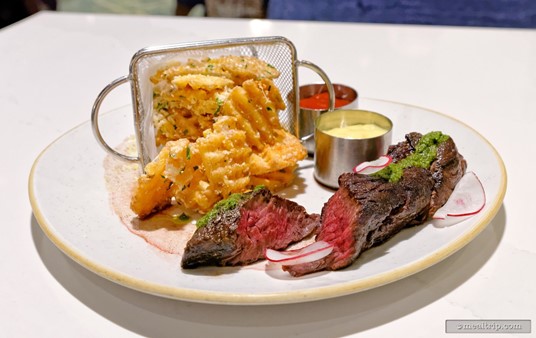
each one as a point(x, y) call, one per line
point(186, 106)
point(225, 155)
point(275, 180)
point(153, 191)
point(185, 169)
point(284, 152)
point(255, 105)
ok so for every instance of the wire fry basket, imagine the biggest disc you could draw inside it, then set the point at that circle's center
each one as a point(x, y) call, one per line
point(276, 51)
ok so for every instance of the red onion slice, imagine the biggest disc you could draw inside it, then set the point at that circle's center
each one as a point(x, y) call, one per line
point(467, 199)
point(371, 167)
point(309, 253)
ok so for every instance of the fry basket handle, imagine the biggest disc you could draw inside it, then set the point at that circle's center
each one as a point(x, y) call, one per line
point(329, 87)
point(325, 78)
point(95, 119)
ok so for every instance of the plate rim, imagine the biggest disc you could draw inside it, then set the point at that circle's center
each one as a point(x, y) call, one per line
point(287, 297)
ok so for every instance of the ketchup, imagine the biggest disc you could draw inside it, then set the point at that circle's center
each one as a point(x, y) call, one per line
point(321, 101)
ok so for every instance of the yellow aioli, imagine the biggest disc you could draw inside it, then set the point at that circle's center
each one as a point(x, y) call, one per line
point(357, 131)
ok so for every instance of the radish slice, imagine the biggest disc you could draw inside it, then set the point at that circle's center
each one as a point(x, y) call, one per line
point(371, 167)
point(467, 199)
point(309, 253)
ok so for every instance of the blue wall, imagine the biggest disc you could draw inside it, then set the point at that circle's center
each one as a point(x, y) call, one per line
point(491, 13)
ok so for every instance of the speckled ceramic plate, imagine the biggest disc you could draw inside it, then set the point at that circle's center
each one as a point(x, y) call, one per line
point(71, 203)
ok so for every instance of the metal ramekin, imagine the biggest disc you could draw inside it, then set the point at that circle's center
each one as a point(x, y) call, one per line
point(308, 116)
point(336, 155)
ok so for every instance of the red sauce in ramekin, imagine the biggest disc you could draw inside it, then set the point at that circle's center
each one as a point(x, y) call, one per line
point(321, 101)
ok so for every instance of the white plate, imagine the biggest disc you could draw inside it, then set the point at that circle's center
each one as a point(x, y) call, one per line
point(70, 202)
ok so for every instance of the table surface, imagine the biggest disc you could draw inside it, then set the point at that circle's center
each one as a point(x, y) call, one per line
point(53, 65)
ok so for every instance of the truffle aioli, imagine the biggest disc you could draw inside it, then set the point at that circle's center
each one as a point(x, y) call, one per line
point(357, 131)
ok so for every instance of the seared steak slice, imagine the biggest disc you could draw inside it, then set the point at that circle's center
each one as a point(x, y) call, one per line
point(447, 169)
point(240, 235)
point(367, 211)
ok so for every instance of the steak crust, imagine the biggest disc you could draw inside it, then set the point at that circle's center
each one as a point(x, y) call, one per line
point(241, 235)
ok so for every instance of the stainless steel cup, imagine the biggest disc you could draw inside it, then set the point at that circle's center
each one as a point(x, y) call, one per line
point(308, 116)
point(336, 155)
